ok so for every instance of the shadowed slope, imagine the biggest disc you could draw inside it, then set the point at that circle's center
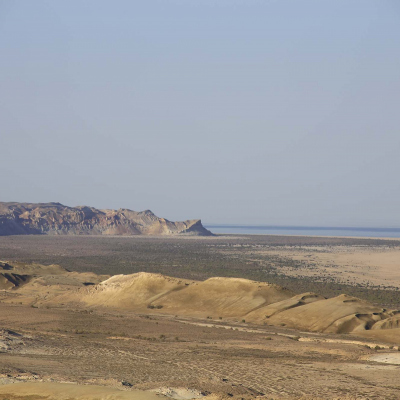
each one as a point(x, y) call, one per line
point(34, 283)
point(10, 279)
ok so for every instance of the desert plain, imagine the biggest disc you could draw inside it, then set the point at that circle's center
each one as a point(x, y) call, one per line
point(242, 317)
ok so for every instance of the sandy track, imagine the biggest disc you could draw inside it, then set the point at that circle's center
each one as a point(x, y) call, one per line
point(205, 358)
point(66, 391)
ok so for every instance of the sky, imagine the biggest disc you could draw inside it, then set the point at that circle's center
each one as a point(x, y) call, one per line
point(236, 112)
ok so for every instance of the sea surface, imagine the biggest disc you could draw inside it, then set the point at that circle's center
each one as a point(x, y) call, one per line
point(304, 230)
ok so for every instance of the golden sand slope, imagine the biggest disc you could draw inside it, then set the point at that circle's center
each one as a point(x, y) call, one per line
point(341, 314)
point(262, 314)
point(222, 297)
point(36, 283)
point(66, 391)
point(225, 297)
point(389, 323)
point(257, 302)
point(133, 292)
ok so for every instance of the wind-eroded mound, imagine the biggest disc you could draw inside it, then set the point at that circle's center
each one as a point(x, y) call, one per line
point(262, 314)
point(341, 314)
point(33, 283)
point(392, 322)
point(225, 297)
point(57, 219)
point(222, 297)
point(9, 278)
point(132, 292)
point(10, 281)
point(257, 302)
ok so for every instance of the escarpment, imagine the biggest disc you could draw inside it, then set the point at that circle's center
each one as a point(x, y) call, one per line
point(57, 219)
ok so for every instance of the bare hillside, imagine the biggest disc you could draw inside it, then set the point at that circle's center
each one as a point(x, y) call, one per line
point(234, 299)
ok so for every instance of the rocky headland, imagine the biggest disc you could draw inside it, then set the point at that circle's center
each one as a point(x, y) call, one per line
point(58, 219)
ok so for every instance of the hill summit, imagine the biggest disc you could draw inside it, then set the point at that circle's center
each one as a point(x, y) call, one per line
point(58, 219)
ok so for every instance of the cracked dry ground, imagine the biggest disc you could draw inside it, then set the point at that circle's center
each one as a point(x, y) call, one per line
point(153, 351)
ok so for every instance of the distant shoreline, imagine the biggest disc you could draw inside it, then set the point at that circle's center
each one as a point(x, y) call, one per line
point(221, 235)
point(350, 232)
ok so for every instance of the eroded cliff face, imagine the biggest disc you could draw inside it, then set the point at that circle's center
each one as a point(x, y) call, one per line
point(57, 219)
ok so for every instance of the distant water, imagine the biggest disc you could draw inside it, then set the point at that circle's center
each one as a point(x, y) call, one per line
point(304, 230)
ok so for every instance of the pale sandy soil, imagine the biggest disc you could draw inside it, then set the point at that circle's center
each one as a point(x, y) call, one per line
point(67, 391)
point(388, 358)
point(347, 264)
point(225, 359)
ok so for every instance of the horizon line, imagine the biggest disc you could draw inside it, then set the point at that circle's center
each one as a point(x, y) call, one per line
point(302, 227)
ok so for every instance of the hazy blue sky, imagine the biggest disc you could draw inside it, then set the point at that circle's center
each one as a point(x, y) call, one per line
point(271, 112)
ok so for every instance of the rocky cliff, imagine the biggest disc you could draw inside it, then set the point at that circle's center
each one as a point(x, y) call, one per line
point(57, 219)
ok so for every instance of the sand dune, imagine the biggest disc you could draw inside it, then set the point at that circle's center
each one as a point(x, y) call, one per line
point(222, 297)
point(12, 280)
point(262, 314)
point(256, 302)
point(133, 292)
point(49, 274)
point(389, 323)
point(341, 314)
point(227, 297)
point(35, 283)
point(241, 299)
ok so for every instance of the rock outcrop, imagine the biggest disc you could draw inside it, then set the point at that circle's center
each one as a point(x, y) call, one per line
point(57, 219)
